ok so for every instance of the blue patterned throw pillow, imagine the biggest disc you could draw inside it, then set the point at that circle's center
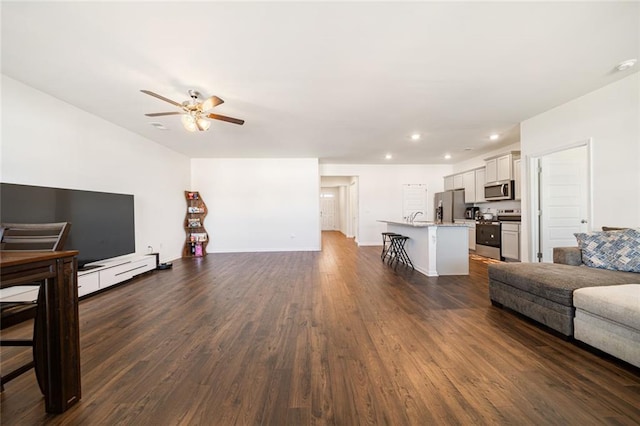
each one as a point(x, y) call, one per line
point(615, 250)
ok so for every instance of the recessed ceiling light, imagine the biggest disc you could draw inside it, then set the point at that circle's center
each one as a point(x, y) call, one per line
point(415, 136)
point(494, 137)
point(447, 156)
point(625, 65)
point(388, 156)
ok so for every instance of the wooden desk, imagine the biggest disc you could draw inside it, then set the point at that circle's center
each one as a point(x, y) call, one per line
point(57, 337)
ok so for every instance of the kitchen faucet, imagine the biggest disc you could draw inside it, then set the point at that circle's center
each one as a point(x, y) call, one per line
point(413, 216)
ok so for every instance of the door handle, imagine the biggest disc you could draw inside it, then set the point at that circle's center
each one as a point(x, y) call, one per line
point(584, 221)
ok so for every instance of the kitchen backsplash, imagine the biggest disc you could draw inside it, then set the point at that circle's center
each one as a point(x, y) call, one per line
point(494, 206)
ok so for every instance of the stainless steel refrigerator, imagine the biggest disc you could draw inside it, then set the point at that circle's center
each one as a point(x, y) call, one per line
point(449, 206)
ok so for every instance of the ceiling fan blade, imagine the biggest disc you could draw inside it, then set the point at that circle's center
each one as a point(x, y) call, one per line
point(155, 95)
point(211, 102)
point(225, 118)
point(160, 114)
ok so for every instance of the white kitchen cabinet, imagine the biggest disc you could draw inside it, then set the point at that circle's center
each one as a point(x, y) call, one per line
point(448, 183)
point(500, 167)
point(458, 181)
point(517, 179)
point(504, 166)
point(480, 181)
point(453, 182)
point(469, 185)
point(510, 241)
point(491, 170)
point(472, 234)
point(472, 181)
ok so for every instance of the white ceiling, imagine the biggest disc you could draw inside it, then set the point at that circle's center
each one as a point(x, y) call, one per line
point(344, 82)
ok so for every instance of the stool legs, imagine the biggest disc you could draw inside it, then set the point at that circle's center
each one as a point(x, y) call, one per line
point(386, 243)
point(397, 253)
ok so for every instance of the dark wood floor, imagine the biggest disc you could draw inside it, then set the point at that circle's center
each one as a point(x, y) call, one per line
point(331, 337)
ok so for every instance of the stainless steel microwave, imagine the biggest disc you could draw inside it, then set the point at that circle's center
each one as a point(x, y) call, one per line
point(499, 190)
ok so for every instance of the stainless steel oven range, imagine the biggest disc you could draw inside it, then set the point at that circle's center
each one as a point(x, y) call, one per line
point(488, 238)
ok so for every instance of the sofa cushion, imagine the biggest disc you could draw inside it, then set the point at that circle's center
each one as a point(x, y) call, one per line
point(554, 281)
point(614, 250)
point(619, 303)
point(614, 338)
point(567, 255)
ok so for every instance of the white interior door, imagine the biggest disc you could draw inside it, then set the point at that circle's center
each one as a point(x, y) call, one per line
point(327, 213)
point(564, 199)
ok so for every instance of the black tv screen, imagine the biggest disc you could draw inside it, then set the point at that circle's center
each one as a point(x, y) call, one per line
point(102, 223)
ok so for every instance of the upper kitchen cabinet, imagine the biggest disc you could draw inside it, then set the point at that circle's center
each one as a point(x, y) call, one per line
point(480, 181)
point(500, 167)
point(448, 183)
point(469, 183)
point(458, 181)
point(453, 182)
point(472, 181)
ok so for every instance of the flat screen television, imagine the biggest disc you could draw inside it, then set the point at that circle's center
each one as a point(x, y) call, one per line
point(102, 223)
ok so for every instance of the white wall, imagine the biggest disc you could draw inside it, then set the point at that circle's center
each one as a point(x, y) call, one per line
point(48, 142)
point(380, 192)
point(343, 215)
point(259, 204)
point(611, 117)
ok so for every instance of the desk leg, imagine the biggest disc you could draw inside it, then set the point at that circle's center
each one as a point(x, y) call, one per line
point(57, 346)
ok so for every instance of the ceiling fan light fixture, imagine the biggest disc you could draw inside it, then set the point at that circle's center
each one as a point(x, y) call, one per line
point(203, 124)
point(189, 122)
point(193, 111)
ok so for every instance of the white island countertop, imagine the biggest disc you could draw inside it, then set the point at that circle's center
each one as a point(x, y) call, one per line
point(435, 248)
point(422, 224)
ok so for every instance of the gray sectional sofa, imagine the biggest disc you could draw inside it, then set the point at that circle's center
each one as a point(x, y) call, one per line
point(590, 293)
point(544, 291)
point(608, 318)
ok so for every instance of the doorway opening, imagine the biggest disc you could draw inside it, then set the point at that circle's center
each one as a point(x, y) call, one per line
point(339, 204)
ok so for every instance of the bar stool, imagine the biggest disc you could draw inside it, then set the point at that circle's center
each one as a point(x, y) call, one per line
point(386, 243)
point(399, 254)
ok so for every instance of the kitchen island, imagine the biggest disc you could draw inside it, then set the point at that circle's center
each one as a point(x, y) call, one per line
point(435, 248)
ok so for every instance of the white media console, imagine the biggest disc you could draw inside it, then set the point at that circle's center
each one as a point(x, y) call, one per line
point(113, 272)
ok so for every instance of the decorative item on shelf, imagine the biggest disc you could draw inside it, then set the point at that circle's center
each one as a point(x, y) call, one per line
point(196, 236)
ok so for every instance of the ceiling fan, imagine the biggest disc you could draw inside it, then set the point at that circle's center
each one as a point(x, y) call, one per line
point(194, 112)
